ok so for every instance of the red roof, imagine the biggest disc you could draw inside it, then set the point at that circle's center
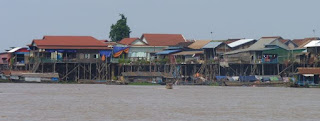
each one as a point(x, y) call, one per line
point(70, 42)
point(163, 39)
point(302, 42)
point(284, 40)
point(128, 41)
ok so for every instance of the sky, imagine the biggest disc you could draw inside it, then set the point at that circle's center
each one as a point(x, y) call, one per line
point(21, 21)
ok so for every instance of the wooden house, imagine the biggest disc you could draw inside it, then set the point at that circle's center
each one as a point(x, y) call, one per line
point(148, 45)
point(254, 54)
point(215, 50)
point(66, 54)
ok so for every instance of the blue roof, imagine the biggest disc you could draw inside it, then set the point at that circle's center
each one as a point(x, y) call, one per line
point(212, 45)
point(166, 52)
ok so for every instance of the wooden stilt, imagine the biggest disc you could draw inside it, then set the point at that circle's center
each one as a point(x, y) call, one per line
point(90, 71)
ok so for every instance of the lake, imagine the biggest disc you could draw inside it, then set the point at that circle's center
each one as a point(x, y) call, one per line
point(98, 102)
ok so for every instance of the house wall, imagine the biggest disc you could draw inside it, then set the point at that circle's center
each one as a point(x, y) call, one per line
point(143, 51)
point(2, 56)
point(283, 54)
point(137, 42)
point(244, 57)
point(291, 45)
point(222, 49)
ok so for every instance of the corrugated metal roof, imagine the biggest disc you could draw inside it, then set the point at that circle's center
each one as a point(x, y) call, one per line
point(302, 70)
point(14, 49)
point(313, 43)
point(167, 52)
point(189, 53)
point(199, 44)
point(240, 42)
point(212, 45)
point(260, 45)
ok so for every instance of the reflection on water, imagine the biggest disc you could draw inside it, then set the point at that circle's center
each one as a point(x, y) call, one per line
point(105, 102)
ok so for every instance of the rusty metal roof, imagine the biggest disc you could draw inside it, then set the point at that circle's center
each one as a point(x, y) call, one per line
point(308, 70)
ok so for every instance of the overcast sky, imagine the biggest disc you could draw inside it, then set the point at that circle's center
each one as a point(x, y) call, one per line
point(24, 20)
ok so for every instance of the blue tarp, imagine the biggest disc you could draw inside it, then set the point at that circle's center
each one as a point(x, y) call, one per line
point(221, 77)
point(166, 52)
point(106, 53)
point(247, 78)
point(118, 49)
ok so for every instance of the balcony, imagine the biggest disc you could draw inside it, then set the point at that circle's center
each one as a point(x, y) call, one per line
point(73, 60)
point(271, 61)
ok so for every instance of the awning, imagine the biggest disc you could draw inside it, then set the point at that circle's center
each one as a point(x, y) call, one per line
point(166, 52)
point(308, 74)
point(188, 53)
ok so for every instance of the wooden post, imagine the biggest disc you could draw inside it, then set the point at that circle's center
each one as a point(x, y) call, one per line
point(262, 69)
point(78, 73)
point(219, 70)
point(90, 71)
point(66, 70)
point(41, 67)
point(84, 71)
point(54, 68)
point(278, 69)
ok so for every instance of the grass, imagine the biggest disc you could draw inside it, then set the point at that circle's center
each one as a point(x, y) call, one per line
point(4, 81)
point(215, 84)
point(141, 83)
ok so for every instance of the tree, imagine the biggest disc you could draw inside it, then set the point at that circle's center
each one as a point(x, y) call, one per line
point(120, 30)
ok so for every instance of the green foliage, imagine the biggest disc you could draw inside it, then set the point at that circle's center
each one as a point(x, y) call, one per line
point(123, 60)
point(215, 84)
point(114, 78)
point(179, 60)
point(120, 30)
point(164, 60)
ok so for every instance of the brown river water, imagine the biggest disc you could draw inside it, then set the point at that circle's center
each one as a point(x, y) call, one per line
point(84, 102)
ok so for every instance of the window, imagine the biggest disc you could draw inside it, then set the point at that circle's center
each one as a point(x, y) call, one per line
point(96, 56)
point(87, 56)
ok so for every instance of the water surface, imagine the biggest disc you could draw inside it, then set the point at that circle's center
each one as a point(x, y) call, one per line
point(66, 102)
